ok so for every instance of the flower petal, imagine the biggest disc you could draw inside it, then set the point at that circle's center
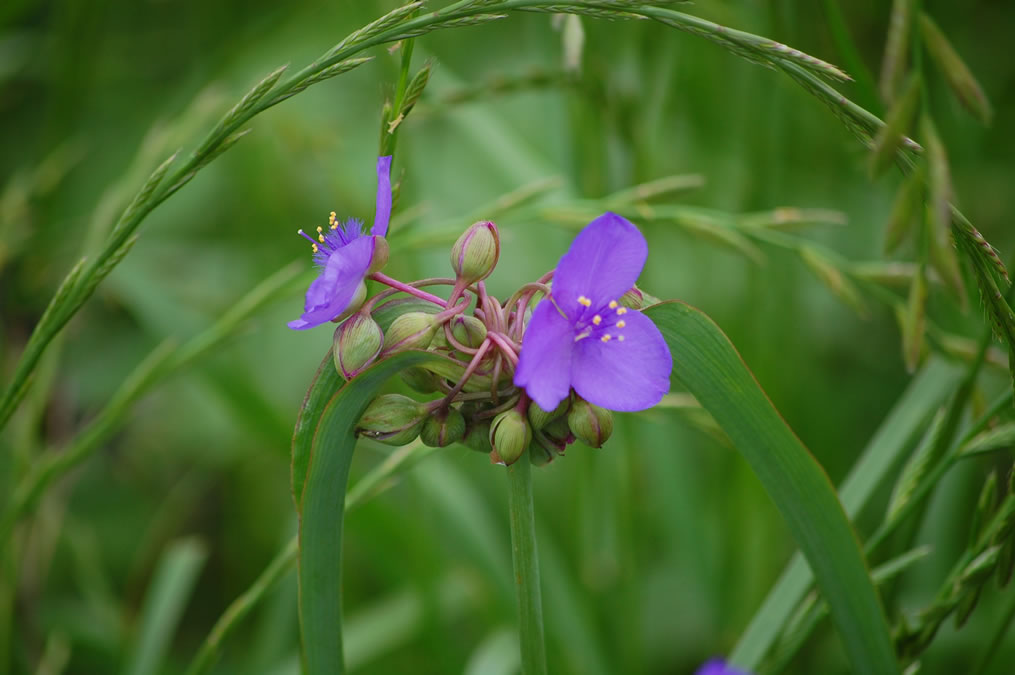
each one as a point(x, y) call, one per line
point(604, 261)
point(383, 212)
point(626, 374)
point(330, 293)
point(544, 365)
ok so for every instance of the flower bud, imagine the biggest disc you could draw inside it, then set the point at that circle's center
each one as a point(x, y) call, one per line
point(357, 343)
point(412, 330)
point(477, 437)
point(633, 298)
point(380, 256)
point(589, 423)
point(420, 379)
point(443, 428)
point(357, 301)
point(393, 419)
point(539, 418)
point(510, 435)
point(475, 254)
point(468, 330)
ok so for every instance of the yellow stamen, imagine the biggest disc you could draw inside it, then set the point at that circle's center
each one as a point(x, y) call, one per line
point(622, 311)
point(606, 338)
point(597, 319)
point(334, 225)
point(582, 300)
point(320, 238)
point(314, 246)
point(621, 323)
point(319, 230)
point(613, 304)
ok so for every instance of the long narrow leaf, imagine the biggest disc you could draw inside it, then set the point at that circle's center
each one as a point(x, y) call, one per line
point(710, 367)
point(896, 434)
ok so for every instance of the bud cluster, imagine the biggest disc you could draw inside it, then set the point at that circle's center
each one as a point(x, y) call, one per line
point(479, 339)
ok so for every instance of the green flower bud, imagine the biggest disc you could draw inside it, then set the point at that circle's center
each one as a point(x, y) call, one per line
point(550, 442)
point(356, 344)
point(412, 330)
point(393, 419)
point(510, 435)
point(420, 379)
point(443, 428)
point(589, 423)
point(380, 256)
point(475, 254)
point(633, 298)
point(468, 330)
point(477, 437)
point(357, 301)
point(539, 418)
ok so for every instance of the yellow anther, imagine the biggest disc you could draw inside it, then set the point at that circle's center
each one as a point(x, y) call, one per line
point(334, 224)
point(582, 300)
point(332, 215)
point(319, 230)
point(314, 246)
point(597, 319)
point(613, 304)
point(606, 338)
point(620, 338)
point(621, 323)
point(320, 238)
point(622, 311)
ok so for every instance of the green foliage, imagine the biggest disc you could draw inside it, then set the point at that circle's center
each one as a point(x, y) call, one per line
point(146, 400)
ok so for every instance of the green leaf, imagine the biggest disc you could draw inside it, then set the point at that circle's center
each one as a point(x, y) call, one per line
point(163, 605)
point(326, 382)
point(330, 439)
point(895, 435)
point(710, 367)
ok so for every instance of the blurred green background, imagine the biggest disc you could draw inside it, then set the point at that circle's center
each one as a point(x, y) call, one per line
point(657, 549)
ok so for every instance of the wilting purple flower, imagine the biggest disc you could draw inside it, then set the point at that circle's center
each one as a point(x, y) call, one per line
point(582, 337)
point(344, 254)
point(718, 667)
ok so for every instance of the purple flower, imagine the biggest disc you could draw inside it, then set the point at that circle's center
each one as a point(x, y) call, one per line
point(718, 667)
point(345, 253)
point(582, 337)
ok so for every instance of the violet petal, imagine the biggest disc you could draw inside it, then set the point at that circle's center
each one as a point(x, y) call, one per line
point(626, 374)
point(603, 261)
point(383, 212)
point(544, 366)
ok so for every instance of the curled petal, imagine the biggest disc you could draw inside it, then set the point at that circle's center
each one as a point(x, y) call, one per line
point(544, 365)
point(331, 293)
point(626, 374)
point(383, 212)
point(603, 262)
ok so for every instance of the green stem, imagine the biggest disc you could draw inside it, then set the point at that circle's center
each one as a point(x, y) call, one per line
point(526, 567)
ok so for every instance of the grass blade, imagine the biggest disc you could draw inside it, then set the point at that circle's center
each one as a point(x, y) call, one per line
point(173, 582)
point(321, 518)
point(897, 433)
point(713, 371)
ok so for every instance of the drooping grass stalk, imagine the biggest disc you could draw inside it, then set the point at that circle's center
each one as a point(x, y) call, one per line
point(394, 26)
point(374, 483)
point(525, 562)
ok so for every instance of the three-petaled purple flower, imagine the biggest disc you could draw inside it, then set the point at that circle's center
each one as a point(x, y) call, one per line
point(345, 254)
point(718, 667)
point(582, 337)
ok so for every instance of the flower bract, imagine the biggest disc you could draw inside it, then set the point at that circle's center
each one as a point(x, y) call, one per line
point(345, 253)
point(582, 337)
